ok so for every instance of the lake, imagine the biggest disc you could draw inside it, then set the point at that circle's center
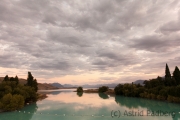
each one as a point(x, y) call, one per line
point(64, 104)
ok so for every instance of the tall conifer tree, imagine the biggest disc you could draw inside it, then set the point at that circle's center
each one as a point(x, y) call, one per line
point(6, 78)
point(32, 82)
point(176, 75)
point(30, 79)
point(167, 72)
point(35, 85)
point(16, 79)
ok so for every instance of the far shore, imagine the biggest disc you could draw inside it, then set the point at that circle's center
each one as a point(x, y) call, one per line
point(109, 92)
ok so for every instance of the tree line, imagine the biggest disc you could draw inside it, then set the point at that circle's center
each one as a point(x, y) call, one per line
point(161, 88)
point(14, 95)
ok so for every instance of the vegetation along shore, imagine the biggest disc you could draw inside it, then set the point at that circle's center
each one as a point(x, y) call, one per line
point(161, 88)
point(14, 96)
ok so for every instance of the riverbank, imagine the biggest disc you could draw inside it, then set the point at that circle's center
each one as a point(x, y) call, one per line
point(41, 96)
point(109, 92)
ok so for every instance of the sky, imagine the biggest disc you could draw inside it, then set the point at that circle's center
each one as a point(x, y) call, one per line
point(89, 42)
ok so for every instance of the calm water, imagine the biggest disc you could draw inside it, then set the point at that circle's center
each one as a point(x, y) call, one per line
point(68, 105)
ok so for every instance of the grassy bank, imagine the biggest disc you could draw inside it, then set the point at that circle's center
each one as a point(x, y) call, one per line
point(109, 92)
point(41, 96)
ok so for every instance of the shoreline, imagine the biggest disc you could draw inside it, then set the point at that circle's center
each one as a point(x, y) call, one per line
point(112, 93)
point(41, 96)
point(109, 92)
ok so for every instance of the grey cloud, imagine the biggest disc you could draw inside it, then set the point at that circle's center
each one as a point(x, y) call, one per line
point(108, 59)
point(172, 26)
point(69, 37)
point(111, 55)
point(155, 43)
point(13, 60)
point(116, 56)
point(54, 65)
point(60, 37)
point(149, 43)
point(107, 78)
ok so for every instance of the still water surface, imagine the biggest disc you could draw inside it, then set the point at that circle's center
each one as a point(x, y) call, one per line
point(68, 105)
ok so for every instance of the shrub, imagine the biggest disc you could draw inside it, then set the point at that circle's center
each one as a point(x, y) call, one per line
point(103, 89)
point(12, 102)
point(79, 89)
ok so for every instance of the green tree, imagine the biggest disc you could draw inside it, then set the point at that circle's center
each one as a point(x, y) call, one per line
point(5, 102)
point(27, 92)
point(12, 102)
point(30, 79)
point(11, 79)
point(103, 89)
point(118, 89)
point(32, 82)
point(16, 79)
point(167, 72)
point(7, 89)
point(6, 78)
point(17, 102)
point(35, 85)
point(79, 89)
point(176, 75)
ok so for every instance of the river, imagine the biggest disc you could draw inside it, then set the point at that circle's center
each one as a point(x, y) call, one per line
point(64, 104)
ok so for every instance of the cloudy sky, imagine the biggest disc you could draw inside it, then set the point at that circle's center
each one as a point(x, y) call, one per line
point(89, 42)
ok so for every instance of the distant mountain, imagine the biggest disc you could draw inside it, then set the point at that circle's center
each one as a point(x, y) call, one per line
point(45, 86)
point(139, 82)
point(99, 85)
point(69, 85)
point(58, 85)
point(112, 85)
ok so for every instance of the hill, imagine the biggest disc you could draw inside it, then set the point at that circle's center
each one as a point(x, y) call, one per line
point(45, 86)
point(58, 85)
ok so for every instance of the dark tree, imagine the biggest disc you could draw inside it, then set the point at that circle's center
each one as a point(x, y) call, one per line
point(16, 79)
point(176, 75)
point(35, 85)
point(11, 79)
point(32, 82)
point(167, 72)
point(79, 89)
point(103, 89)
point(30, 79)
point(118, 89)
point(6, 78)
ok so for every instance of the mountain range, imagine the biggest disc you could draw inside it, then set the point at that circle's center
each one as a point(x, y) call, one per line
point(56, 85)
point(112, 85)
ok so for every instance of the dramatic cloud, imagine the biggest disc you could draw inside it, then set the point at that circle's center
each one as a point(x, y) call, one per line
point(89, 41)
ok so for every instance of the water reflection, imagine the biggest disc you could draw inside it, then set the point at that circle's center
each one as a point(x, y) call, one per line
point(150, 106)
point(20, 114)
point(103, 95)
point(79, 94)
point(69, 102)
point(87, 99)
